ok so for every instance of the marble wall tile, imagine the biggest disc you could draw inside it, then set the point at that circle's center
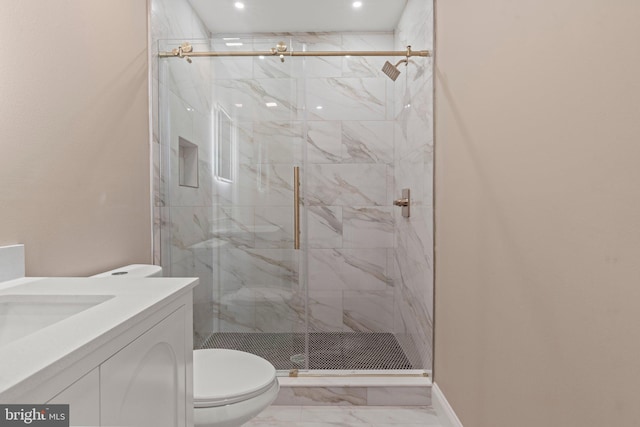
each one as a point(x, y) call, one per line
point(279, 310)
point(194, 127)
point(325, 226)
point(413, 175)
point(313, 396)
point(368, 227)
point(204, 321)
point(416, 25)
point(370, 311)
point(318, 66)
point(413, 134)
point(325, 311)
point(324, 142)
point(236, 310)
point(189, 225)
point(232, 68)
point(157, 235)
point(365, 66)
point(277, 142)
point(245, 144)
point(172, 19)
point(254, 94)
point(270, 67)
point(348, 269)
point(367, 142)
point(274, 227)
point(275, 187)
point(346, 98)
point(259, 267)
point(347, 184)
point(234, 225)
point(263, 185)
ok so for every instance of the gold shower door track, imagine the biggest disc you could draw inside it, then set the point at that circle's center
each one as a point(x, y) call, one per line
point(186, 51)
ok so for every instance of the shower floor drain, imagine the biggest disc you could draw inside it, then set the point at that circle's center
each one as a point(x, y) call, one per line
point(327, 350)
point(298, 359)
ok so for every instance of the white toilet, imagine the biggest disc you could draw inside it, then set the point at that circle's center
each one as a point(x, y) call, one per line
point(229, 387)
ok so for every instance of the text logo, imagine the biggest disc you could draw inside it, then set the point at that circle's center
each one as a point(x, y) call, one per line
point(34, 415)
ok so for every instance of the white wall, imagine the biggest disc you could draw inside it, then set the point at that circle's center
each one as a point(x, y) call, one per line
point(538, 212)
point(74, 139)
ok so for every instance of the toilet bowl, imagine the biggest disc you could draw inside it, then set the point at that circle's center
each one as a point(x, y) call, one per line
point(230, 387)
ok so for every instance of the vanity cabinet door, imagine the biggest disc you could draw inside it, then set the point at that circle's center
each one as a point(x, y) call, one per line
point(83, 398)
point(144, 383)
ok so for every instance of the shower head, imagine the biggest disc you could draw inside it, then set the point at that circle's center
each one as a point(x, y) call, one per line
point(392, 70)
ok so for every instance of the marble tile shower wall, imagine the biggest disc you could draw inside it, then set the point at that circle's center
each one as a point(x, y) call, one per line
point(350, 184)
point(185, 95)
point(413, 134)
point(345, 108)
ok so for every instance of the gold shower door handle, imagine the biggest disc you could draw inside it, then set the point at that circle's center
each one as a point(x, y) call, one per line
point(296, 207)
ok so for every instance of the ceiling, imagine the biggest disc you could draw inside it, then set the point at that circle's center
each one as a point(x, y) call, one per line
point(272, 16)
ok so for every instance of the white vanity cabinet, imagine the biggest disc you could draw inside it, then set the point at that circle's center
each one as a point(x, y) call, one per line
point(83, 398)
point(144, 383)
point(127, 362)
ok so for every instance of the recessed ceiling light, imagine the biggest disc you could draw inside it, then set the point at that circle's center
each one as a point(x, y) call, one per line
point(357, 4)
point(319, 107)
point(239, 105)
point(234, 44)
point(239, 5)
point(271, 104)
point(261, 57)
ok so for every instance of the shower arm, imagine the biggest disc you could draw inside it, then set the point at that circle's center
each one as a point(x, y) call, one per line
point(186, 51)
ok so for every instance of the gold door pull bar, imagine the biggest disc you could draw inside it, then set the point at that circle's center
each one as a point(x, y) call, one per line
point(296, 207)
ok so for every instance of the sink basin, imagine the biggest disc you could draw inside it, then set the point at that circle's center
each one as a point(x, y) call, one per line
point(21, 315)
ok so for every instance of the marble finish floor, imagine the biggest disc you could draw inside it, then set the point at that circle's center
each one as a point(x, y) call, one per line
point(327, 350)
point(347, 416)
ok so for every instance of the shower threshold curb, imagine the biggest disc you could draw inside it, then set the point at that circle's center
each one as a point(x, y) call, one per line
point(355, 391)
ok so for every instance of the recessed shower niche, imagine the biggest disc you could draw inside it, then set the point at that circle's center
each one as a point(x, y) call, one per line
point(187, 163)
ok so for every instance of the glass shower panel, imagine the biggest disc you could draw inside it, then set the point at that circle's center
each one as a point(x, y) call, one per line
point(236, 230)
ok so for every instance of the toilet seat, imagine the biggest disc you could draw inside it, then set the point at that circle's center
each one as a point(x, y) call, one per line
point(223, 377)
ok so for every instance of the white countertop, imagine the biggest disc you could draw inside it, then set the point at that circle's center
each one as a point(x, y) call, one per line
point(26, 361)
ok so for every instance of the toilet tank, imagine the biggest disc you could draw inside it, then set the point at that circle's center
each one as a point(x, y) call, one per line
point(133, 270)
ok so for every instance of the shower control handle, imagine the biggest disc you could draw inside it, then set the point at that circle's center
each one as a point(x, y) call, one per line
point(404, 202)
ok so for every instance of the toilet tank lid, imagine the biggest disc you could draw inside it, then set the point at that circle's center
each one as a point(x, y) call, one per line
point(133, 270)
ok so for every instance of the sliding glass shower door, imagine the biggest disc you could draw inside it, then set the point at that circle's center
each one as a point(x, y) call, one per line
point(261, 293)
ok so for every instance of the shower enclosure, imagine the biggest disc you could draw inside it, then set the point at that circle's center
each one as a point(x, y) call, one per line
point(277, 179)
